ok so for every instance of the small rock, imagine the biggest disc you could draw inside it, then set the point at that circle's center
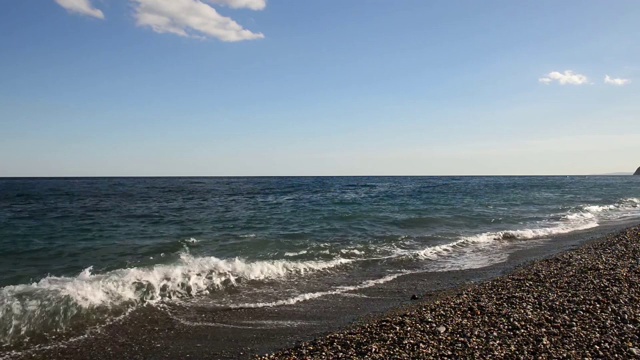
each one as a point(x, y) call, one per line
point(441, 329)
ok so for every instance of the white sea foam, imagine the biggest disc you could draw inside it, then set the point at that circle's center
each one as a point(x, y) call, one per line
point(623, 208)
point(486, 248)
point(582, 218)
point(581, 215)
point(253, 325)
point(598, 209)
point(623, 204)
point(571, 222)
point(309, 296)
point(53, 302)
point(352, 251)
point(216, 324)
point(291, 254)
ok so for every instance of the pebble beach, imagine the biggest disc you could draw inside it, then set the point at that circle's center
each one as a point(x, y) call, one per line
point(583, 303)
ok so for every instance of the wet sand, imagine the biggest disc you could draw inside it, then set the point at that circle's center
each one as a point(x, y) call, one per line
point(383, 321)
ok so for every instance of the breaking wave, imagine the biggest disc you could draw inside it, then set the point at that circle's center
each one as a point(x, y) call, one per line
point(57, 303)
point(581, 218)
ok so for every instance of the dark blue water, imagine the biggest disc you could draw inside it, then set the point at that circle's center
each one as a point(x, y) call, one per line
point(78, 249)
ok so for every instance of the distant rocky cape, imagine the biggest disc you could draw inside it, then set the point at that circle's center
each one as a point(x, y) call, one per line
point(637, 172)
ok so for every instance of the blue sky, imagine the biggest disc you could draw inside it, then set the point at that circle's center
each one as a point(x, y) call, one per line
point(333, 87)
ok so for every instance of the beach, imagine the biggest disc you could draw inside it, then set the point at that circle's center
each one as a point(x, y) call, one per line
point(575, 299)
point(255, 179)
point(579, 304)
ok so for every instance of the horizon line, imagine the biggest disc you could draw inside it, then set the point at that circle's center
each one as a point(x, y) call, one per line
point(293, 176)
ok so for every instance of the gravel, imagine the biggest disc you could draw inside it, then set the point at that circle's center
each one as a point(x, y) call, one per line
point(583, 304)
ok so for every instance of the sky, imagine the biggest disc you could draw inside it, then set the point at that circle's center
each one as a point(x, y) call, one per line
point(331, 87)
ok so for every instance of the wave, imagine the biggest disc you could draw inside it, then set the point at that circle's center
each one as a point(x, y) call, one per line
point(297, 253)
point(309, 296)
point(352, 252)
point(56, 303)
point(449, 249)
point(580, 218)
point(312, 250)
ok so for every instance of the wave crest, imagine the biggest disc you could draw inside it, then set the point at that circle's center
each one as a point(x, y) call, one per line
point(55, 303)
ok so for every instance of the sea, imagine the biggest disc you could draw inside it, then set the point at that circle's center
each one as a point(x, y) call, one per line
point(77, 253)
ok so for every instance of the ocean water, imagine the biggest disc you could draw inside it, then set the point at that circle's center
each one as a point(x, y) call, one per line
point(76, 253)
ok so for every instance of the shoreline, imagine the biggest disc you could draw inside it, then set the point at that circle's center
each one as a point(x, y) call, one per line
point(580, 303)
point(192, 332)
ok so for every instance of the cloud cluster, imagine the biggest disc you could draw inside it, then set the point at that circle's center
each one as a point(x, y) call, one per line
point(242, 4)
point(82, 7)
point(189, 18)
point(617, 82)
point(567, 77)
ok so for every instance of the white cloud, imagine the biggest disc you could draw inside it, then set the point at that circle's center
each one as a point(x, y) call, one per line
point(617, 82)
point(242, 4)
point(82, 7)
point(193, 18)
point(567, 77)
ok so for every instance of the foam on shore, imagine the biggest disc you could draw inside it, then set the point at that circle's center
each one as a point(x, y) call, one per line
point(53, 303)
